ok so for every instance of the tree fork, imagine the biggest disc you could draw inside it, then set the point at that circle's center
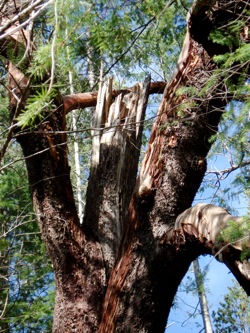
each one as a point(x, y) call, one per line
point(127, 281)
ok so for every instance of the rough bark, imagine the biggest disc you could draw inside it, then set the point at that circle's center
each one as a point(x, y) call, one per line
point(120, 270)
point(79, 289)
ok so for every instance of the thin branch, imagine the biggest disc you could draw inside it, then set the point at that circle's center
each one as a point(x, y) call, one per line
point(30, 156)
point(3, 4)
point(129, 47)
point(5, 306)
point(18, 16)
point(6, 143)
point(229, 170)
point(184, 6)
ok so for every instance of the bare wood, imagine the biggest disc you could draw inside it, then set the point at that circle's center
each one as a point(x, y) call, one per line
point(121, 121)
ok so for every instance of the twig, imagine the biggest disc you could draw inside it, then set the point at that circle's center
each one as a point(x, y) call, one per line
point(229, 170)
point(17, 17)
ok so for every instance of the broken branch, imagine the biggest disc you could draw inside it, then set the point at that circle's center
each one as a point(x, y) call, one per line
point(89, 99)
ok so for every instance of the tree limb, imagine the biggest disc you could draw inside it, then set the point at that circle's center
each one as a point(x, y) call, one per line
point(205, 222)
point(88, 99)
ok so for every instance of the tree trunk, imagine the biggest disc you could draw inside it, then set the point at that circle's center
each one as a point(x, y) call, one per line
point(202, 297)
point(79, 289)
point(4, 279)
point(120, 270)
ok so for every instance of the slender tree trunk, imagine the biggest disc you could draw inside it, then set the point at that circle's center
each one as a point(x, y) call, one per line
point(4, 280)
point(202, 297)
point(90, 56)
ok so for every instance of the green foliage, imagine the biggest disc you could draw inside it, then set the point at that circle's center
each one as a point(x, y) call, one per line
point(237, 232)
point(228, 59)
point(233, 232)
point(237, 55)
point(129, 39)
point(188, 91)
point(16, 54)
point(228, 33)
point(24, 265)
point(233, 314)
point(231, 146)
point(38, 107)
point(41, 62)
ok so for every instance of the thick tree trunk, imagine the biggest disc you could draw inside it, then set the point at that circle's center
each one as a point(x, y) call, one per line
point(120, 270)
point(77, 258)
point(149, 270)
point(84, 256)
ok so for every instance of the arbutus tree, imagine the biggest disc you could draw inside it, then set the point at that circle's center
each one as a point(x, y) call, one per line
point(118, 270)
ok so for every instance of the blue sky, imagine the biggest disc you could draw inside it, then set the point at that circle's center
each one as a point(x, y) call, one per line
point(218, 279)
